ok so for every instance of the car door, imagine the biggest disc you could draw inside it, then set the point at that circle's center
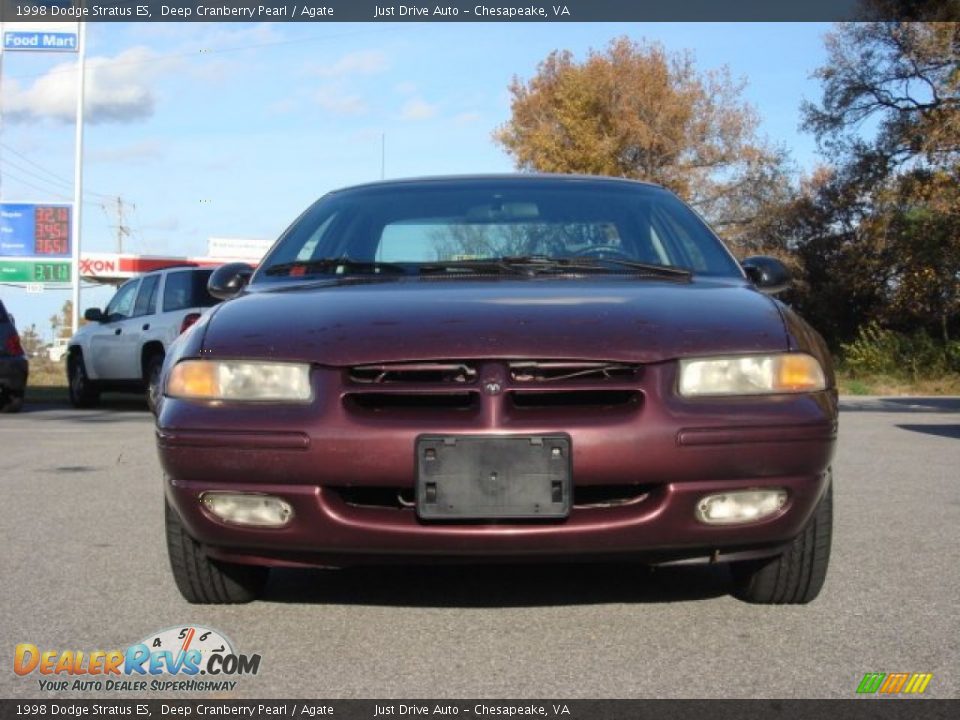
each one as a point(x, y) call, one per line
point(110, 346)
point(140, 326)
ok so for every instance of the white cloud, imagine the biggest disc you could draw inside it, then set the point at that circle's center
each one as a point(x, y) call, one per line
point(334, 100)
point(282, 106)
point(465, 118)
point(168, 223)
point(405, 88)
point(417, 109)
point(133, 152)
point(118, 89)
point(365, 62)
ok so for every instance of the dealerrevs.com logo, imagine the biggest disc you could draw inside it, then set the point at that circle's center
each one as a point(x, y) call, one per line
point(894, 683)
point(187, 658)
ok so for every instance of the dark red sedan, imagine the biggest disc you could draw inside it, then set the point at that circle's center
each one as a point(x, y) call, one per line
point(499, 368)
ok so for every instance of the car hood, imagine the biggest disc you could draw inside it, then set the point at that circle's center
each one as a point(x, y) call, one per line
point(627, 320)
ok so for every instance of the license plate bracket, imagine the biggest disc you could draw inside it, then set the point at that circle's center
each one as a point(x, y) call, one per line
point(491, 478)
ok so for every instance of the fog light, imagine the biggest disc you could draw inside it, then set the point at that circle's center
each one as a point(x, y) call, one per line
point(740, 506)
point(248, 508)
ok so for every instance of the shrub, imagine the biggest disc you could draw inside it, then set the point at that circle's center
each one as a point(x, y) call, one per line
point(875, 351)
point(879, 351)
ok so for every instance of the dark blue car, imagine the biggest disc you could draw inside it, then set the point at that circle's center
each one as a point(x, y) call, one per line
point(13, 365)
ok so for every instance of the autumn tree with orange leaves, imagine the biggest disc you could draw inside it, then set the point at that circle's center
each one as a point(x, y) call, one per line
point(636, 111)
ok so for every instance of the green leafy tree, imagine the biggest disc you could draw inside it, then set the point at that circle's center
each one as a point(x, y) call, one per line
point(881, 241)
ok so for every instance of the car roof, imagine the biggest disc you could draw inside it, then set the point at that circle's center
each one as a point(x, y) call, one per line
point(178, 266)
point(519, 178)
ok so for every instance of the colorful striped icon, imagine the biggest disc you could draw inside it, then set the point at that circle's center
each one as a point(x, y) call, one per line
point(894, 683)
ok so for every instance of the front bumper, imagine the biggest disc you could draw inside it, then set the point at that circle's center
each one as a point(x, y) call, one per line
point(13, 374)
point(673, 451)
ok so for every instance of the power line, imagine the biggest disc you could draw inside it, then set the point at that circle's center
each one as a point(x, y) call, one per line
point(48, 190)
point(42, 178)
point(34, 186)
point(56, 178)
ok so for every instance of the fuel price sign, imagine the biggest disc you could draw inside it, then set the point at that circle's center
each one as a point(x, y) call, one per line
point(35, 230)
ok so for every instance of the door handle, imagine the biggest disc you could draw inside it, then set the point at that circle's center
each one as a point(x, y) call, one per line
point(146, 326)
point(117, 331)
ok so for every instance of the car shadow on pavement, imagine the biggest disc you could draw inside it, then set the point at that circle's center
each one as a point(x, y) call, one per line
point(490, 586)
point(110, 408)
point(947, 431)
point(900, 404)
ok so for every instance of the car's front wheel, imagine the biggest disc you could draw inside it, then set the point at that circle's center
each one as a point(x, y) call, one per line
point(796, 576)
point(201, 579)
point(83, 391)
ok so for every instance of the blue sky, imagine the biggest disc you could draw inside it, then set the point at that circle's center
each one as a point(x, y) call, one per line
point(232, 129)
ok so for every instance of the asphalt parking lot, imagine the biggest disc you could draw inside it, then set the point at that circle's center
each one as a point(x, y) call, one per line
point(85, 567)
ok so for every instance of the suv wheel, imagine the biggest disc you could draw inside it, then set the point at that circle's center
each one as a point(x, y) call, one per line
point(796, 576)
point(151, 376)
point(202, 580)
point(83, 392)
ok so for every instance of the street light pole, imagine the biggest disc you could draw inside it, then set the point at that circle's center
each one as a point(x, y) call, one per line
point(78, 176)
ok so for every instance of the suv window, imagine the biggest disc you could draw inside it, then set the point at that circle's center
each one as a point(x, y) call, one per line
point(187, 289)
point(147, 297)
point(121, 306)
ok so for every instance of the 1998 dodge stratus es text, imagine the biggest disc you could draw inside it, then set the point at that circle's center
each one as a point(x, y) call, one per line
point(498, 368)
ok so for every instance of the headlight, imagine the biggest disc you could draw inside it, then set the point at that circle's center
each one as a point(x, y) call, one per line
point(240, 380)
point(751, 375)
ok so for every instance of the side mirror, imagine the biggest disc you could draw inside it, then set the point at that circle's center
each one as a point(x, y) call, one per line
point(228, 280)
point(768, 274)
point(93, 315)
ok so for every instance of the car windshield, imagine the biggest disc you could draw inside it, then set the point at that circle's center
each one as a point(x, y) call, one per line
point(576, 225)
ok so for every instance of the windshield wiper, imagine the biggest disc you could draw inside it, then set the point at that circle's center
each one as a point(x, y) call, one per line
point(336, 266)
point(645, 268)
point(480, 266)
point(526, 265)
point(595, 264)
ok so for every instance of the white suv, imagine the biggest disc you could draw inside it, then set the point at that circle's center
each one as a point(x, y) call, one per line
point(122, 347)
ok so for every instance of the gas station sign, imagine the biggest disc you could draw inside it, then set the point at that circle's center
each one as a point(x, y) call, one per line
point(35, 229)
point(34, 271)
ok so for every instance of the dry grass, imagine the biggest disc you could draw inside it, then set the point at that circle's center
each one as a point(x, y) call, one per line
point(48, 381)
point(886, 385)
point(45, 372)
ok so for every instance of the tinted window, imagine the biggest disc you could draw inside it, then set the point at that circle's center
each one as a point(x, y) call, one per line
point(187, 289)
point(147, 297)
point(490, 218)
point(121, 306)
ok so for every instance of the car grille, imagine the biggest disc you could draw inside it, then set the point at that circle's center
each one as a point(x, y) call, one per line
point(464, 385)
point(584, 496)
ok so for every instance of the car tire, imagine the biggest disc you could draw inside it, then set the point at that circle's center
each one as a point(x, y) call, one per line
point(796, 576)
point(82, 390)
point(202, 580)
point(11, 403)
point(151, 376)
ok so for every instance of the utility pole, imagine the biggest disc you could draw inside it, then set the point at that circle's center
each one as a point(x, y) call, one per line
point(123, 230)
